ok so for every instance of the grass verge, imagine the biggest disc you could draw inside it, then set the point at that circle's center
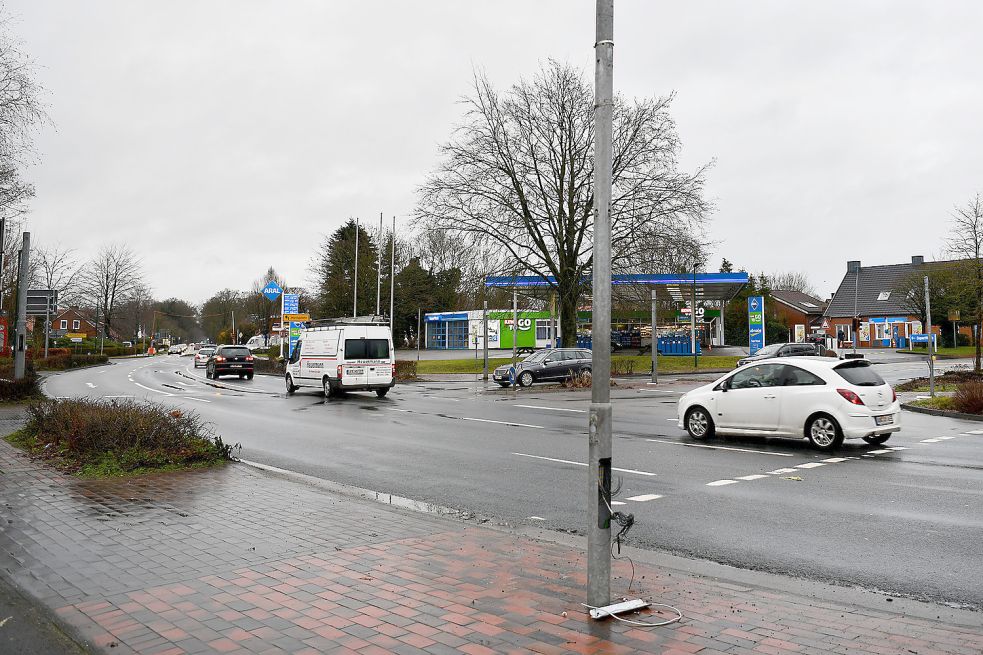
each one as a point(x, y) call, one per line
point(939, 402)
point(621, 364)
point(110, 438)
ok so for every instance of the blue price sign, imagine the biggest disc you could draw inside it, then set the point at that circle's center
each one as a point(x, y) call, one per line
point(272, 290)
point(756, 323)
point(291, 303)
point(295, 329)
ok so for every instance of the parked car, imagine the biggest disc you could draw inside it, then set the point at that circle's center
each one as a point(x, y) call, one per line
point(201, 357)
point(785, 350)
point(548, 365)
point(229, 360)
point(822, 399)
point(189, 350)
point(343, 357)
point(175, 349)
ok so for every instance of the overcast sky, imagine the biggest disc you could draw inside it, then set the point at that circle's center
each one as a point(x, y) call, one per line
point(219, 138)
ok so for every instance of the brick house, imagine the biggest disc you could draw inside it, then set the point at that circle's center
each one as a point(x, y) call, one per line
point(796, 308)
point(871, 293)
point(72, 320)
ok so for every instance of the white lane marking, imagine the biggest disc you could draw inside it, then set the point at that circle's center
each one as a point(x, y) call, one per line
point(897, 448)
point(946, 438)
point(536, 518)
point(201, 400)
point(659, 390)
point(517, 425)
point(835, 460)
point(567, 461)
point(781, 471)
point(720, 483)
point(810, 465)
point(118, 396)
point(879, 452)
point(974, 432)
point(737, 450)
point(929, 441)
point(554, 409)
point(756, 476)
point(617, 502)
point(154, 390)
point(645, 497)
point(90, 385)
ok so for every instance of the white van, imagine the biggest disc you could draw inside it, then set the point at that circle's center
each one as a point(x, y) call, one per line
point(258, 343)
point(343, 357)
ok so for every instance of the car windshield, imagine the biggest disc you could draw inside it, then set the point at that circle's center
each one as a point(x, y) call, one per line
point(366, 348)
point(206, 351)
point(537, 356)
point(769, 350)
point(238, 351)
point(859, 373)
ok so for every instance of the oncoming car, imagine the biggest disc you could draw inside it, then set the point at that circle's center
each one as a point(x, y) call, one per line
point(201, 357)
point(824, 400)
point(546, 366)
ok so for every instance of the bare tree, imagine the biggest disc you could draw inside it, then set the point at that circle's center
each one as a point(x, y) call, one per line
point(56, 268)
point(965, 241)
point(112, 277)
point(791, 281)
point(518, 176)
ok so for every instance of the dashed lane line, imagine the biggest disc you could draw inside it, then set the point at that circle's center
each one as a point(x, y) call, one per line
point(554, 409)
point(731, 448)
point(721, 483)
point(567, 461)
point(756, 476)
point(644, 498)
point(166, 393)
point(90, 385)
point(516, 425)
point(810, 465)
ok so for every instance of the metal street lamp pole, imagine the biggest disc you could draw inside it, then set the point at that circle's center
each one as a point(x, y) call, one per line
point(484, 324)
point(931, 342)
point(655, 338)
point(20, 336)
point(856, 315)
point(692, 316)
point(515, 334)
point(599, 426)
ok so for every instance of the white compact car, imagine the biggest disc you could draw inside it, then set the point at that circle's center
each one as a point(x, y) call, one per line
point(202, 355)
point(825, 400)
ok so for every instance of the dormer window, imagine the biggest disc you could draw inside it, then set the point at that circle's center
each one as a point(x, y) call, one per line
point(884, 295)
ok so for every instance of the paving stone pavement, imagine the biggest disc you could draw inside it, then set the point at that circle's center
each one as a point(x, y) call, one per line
point(237, 560)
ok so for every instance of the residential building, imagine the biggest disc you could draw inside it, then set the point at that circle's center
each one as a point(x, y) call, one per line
point(797, 308)
point(72, 321)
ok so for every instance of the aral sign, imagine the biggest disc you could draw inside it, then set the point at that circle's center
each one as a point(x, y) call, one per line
point(756, 323)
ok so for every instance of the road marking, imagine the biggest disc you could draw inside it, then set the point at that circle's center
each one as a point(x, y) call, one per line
point(644, 497)
point(166, 393)
point(201, 400)
point(810, 465)
point(897, 448)
point(554, 409)
point(90, 385)
point(517, 425)
point(974, 432)
point(617, 502)
point(946, 438)
point(118, 396)
point(720, 483)
point(781, 471)
point(929, 441)
point(756, 476)
point(536, 518)
point(567, 461)
point(659, 390)
point(879, 452)
point(835, 460)
point(737, 450)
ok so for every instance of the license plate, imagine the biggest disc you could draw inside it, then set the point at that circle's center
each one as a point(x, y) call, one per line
point(237, 366)
point(884, 420)
point(355, 371)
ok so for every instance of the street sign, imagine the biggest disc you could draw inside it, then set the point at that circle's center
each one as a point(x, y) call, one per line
point(295, 329)
point(756, 323)
point(291, 303)
point(42, 302)
point(953, 314)
point(825, 323)
point(75, 335)
point(297, 318)
point(921, 338)
point(272, 290)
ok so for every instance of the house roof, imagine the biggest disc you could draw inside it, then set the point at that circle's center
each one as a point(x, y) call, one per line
point(799, 301)
point(876, 291)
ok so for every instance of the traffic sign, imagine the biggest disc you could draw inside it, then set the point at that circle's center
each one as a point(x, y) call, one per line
point(291, 303)
point(297, 318)
point(41, 302)
point(921, 338)
point(272, 290)
point(75, 335)
point(756, 323)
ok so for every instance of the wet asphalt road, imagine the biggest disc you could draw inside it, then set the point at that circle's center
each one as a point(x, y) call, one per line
point(906, 521)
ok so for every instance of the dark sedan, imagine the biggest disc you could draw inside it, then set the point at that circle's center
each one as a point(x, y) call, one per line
point(785, 350)
point(230, 360)
point(546, 366)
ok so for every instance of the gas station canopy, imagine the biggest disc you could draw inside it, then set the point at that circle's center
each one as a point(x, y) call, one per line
point(709, 286)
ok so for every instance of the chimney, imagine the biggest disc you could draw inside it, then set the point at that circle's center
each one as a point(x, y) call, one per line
point(853, 266)
point(918, 260)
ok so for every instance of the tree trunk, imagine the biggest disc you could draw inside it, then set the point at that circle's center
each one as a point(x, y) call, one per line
point(979, 320)
point(568, 316)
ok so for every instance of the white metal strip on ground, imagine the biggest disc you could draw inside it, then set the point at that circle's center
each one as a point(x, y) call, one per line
point(720, 483)
point(567, 461)
point(554, 409)
point(516, 425)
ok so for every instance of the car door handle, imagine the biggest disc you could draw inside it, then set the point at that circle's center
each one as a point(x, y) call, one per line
point(771, 397)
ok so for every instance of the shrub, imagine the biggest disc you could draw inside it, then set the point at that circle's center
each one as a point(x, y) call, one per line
point(969, 398)
point(622, 366)
point(12, 390)
point(271, 366)
point(114, 437)
point(63, 362)
point(405, 369)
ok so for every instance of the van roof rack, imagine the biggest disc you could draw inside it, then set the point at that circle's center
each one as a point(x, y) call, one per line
point(372, 319)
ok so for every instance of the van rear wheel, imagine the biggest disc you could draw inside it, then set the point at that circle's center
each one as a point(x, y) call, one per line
point(382, 392)
point(326, 387)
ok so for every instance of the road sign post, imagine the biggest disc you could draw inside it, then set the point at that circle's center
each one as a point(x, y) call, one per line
point(755, 323)
point(931, 342)
point(20, 329)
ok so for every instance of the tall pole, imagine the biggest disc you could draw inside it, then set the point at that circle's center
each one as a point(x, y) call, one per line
point(419, 336)
point(655, 339)
point(515, 334)
point(234, 340)
point(931, 342)
point(692, 317)
point(47, 325)
point(392, 274)
point(484, 327)
point(378, 271)
point(3, 248)
point(856, 315)
point(20, 353)
point(599, 426)
point(355, 275)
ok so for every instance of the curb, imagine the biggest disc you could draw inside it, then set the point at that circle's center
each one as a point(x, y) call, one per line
point(941, 412)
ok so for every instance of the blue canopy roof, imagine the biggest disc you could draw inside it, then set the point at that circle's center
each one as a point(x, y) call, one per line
point(709, 286)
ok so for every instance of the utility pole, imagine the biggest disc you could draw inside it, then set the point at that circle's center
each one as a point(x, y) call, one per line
point(234, 340)
point(599, 426)
point(355, 275)
point(484, 327)
point(855, 327)
point(692, 317)
point(378, 271)
point(392, 275)
point(515, 333)
point(655, 339)
point(931, 342)
point(419, 336)
point(20, 338)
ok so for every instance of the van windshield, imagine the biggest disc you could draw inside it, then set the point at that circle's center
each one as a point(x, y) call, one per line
point(366, 349)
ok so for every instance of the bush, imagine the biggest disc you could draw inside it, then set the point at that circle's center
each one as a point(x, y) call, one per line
point(969, 398)
point(405, 369)
point(114, 437)
point(271, 366)
point(12, 390)
point(622, 366)
point(64, 362)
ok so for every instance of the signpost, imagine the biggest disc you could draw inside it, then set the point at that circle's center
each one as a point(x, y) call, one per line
point(295, 329)
point(297, 318)
point(755, 323)
point(43, 302)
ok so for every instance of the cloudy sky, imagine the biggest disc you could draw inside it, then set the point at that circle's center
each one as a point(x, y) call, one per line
point(218, 138)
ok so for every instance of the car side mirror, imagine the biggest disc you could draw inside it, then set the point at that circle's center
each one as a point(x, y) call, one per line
point(725, 385)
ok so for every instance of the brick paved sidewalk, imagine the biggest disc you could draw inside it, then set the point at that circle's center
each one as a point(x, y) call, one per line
point(237, 560)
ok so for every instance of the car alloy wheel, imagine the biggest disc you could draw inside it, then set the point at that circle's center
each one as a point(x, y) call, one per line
point(824, 433)
point(326, 386)
point(698, 423)
point(525, 379)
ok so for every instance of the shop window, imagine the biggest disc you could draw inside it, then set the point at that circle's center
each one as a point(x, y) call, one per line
point(543, 332)
point(882, 331)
